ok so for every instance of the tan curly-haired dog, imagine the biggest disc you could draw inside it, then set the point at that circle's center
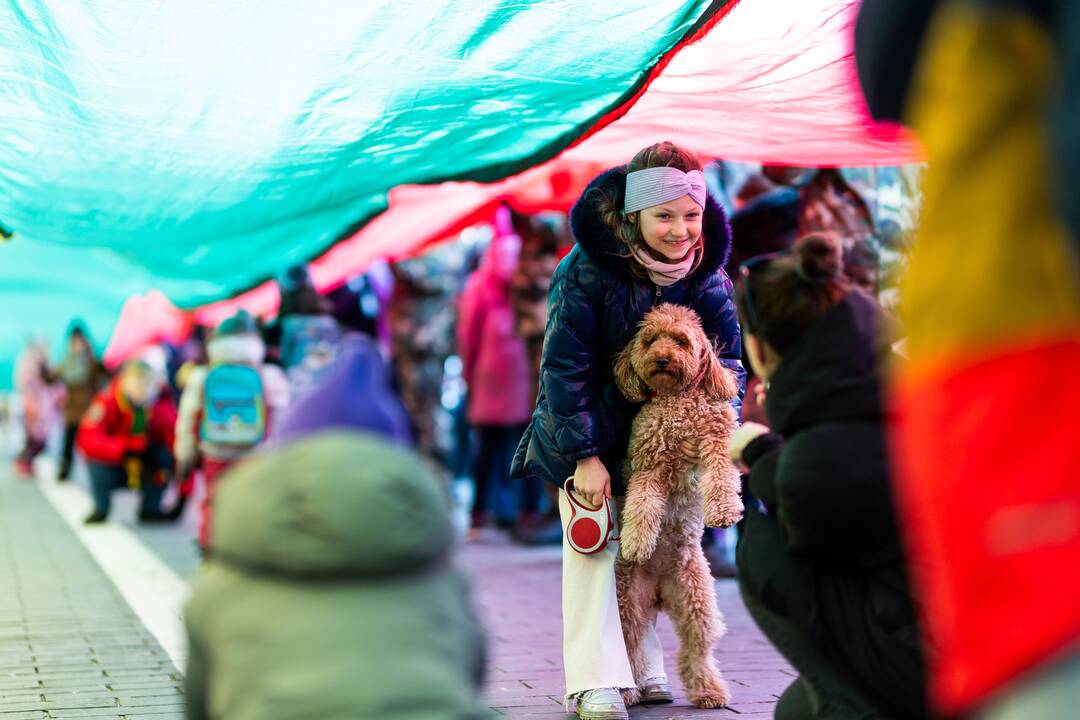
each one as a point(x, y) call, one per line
point(679, 480)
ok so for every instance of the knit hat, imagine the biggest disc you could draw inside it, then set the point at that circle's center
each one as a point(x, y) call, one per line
point(295, 278)
point(242, 323)
point(155, 359)
point(356, 394)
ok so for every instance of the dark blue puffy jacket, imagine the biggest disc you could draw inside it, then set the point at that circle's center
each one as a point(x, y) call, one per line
point(595, 304)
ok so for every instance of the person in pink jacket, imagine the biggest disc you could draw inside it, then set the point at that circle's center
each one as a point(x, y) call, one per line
point(497, 372)
point(35, 383)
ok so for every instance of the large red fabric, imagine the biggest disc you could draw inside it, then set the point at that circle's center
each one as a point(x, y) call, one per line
point(145, 319)
point(774, 81)
point(996, 527)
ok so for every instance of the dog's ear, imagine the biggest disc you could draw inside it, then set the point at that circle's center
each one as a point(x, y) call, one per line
point(716, 380)
point(626, 378)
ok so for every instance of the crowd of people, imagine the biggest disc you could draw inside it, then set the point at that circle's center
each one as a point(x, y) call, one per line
point(538, 404)
point(493, 361)
point(330, 441)
point(472, 312)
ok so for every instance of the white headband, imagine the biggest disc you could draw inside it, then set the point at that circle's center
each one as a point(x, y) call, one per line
point(653, 186)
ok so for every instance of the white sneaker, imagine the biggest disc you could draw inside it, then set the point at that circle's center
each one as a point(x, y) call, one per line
point(656, 691)
point(601, 704)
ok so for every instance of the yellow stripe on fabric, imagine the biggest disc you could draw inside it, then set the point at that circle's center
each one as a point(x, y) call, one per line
point(992, 261)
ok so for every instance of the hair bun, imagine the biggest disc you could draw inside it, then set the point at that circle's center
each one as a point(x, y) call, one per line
point(818, 257)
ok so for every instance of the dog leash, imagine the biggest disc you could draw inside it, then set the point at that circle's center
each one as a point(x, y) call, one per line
point(589, 529)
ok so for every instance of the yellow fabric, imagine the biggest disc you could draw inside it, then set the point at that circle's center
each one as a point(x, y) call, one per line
point(992, 264)
point(133, 467)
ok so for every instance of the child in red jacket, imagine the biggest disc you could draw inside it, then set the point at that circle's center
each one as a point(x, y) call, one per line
point(127, 438)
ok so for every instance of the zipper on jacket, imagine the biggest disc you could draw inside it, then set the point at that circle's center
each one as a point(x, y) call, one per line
point(657, 291)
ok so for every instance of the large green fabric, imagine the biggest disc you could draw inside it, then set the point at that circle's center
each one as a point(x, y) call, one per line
point(202, 146)
point(327, 592)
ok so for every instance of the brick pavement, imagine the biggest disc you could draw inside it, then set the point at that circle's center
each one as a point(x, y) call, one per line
point(70, 647)
point(517, 592)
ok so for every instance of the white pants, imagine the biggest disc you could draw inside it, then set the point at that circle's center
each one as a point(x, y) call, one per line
point(594, 652)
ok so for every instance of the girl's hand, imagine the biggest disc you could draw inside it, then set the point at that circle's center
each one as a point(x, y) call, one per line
point(753, 407)
point(592, 481)
point(740, 439)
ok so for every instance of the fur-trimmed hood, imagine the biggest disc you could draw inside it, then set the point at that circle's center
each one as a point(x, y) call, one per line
point(603, 248)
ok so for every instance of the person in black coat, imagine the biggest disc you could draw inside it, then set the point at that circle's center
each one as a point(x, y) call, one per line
point(819, 559)
point(664, 241)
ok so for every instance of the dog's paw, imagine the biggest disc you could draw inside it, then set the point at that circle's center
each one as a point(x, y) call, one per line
point(631, 696)
point(714, 519)
point(731, 517)
point(725, 515)
point(715, 695)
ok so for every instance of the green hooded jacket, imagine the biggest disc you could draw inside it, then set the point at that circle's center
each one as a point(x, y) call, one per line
point(328, 592)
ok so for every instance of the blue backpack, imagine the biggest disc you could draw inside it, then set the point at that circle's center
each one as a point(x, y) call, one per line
point(234, 408)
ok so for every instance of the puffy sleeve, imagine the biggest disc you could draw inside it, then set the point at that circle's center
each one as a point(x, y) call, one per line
point(568, 369)
point(186, 446)
point(721, 323)
point(96, 437)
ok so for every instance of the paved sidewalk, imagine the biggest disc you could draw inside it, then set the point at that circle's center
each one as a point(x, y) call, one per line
point(517, 591)
point(70, 647)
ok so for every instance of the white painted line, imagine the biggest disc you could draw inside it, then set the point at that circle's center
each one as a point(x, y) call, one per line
point(150, 587)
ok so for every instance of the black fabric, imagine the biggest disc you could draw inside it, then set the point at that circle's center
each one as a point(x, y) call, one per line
point(888, 37)
point(1064, 25)
point(760, 446)
point(778, 593)
point(495, 446)
point(595, 304)
point(819, 561)
point(67, 453)
point(768, 223)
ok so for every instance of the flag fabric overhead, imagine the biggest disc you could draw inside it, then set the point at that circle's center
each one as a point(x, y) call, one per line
point(772, 81)
point(198, 148)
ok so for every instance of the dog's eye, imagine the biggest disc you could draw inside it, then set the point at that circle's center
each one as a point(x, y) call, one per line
point(682, 342)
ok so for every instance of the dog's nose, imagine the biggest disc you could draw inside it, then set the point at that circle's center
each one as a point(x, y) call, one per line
point(662, 362)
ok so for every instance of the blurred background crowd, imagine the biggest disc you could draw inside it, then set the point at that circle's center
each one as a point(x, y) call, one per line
point(460, 327)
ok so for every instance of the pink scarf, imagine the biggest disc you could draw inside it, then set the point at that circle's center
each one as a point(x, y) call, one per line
point(662, 273)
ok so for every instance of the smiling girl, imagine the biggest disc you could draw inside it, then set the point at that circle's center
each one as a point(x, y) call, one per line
point(646, 234)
